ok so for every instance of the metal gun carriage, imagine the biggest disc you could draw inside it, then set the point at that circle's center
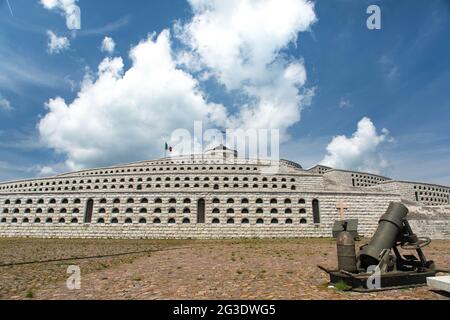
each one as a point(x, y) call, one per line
point(392, 259)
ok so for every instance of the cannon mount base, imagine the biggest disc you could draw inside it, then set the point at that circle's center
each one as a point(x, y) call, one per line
point(389, 281)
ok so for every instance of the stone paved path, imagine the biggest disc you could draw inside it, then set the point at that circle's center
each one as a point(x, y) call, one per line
point(285, 269)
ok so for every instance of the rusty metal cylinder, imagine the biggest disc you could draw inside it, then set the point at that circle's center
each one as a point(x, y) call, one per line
point(346, 252)
point(386, 236)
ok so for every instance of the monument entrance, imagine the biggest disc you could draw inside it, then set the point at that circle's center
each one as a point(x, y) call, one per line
point(201, 216)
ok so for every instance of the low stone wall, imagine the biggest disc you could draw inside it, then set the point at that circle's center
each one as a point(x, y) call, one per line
point(434, 229)
point(165, 231)
point(430, 221)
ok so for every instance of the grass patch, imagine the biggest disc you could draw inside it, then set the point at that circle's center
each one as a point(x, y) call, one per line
point(341, 286)
point(29, 294)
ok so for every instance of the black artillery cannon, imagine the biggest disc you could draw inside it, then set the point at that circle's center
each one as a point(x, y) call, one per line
point(380, 265)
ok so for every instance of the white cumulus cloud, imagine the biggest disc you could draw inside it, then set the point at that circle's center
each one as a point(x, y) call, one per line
point(47, 171)
point(5, 104)
point(238, 39)
point(68, 8)
point(108, 45)
point(359, 152)
point(241, 43)
point(124, 115)
point(57, 44)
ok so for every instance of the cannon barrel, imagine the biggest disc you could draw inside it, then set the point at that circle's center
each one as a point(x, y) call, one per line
point(389, 229)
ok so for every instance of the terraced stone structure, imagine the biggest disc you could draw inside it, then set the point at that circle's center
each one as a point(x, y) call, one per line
point(212, 195)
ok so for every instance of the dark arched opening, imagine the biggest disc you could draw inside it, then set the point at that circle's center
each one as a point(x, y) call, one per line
point(316, 211)
point(201, 206)
point(89, 211)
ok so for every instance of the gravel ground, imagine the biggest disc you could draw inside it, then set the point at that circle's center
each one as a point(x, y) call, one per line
point(245, 269)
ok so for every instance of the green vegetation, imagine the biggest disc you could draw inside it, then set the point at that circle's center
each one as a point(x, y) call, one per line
point(29, 294)
point(341, 286)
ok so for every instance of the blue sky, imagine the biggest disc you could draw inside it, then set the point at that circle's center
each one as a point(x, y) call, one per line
point(398, 77)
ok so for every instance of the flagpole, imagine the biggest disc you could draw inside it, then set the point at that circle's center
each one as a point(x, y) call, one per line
point(223, 137)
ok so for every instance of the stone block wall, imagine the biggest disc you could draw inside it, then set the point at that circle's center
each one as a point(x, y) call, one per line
point(354, 179)
point(168, 182)
point(422, 193)
point(294, 219)
point(435, 229)
point(430, 221)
